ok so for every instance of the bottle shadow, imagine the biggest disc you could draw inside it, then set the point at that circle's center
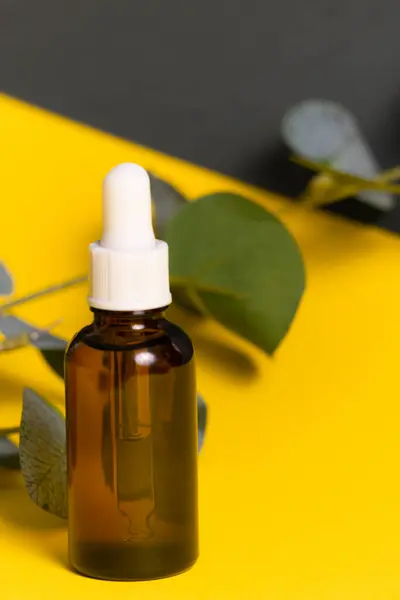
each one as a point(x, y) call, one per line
point(212, 348)
point(58, 552)
point(225, 358)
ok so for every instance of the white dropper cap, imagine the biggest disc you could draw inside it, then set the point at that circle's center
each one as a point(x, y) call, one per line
point(128, 266)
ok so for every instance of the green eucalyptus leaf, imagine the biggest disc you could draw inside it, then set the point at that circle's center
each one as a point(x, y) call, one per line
point(9, 454)
point(6, 282)
point(42, 453)
point(167, 203)
point(224, 241)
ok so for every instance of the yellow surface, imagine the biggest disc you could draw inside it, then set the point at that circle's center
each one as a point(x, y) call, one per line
point(299, 477)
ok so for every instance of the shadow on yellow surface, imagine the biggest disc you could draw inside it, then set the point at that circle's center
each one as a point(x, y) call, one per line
point(224, 351)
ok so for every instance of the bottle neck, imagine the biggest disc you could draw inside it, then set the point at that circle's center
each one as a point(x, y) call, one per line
point(104, 318)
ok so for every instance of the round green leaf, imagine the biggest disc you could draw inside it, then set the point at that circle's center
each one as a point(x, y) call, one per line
point(241, 263)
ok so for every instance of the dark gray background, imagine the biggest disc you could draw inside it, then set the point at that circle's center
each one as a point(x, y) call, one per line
point(209, 80)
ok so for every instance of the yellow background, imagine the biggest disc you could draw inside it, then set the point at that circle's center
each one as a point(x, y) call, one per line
point(299, 476)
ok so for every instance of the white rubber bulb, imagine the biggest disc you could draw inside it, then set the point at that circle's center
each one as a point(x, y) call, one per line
point(127, 218)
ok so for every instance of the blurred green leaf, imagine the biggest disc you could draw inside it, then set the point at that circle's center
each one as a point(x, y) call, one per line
point(224, 241)
point(6, 282)
point(42, 453)
point(167, 203)
point(9, 454)
point(55, 358)
point(202, 420)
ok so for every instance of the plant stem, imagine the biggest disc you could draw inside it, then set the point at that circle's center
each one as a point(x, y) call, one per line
point(51, 289)
point(186, 282)
point(197, 302)
point(12, 343)
point(8, 431)
point(380, 183)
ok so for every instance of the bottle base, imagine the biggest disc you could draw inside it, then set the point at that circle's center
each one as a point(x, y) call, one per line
point(131, 562)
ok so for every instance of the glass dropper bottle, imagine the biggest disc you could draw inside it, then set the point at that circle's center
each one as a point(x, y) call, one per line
point(131, 405)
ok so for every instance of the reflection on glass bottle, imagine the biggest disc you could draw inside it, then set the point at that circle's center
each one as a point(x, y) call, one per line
point(134, 460)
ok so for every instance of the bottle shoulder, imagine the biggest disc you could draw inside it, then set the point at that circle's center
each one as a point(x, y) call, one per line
point(155, 342)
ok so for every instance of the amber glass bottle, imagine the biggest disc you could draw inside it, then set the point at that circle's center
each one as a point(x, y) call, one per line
point(132, 447)
point(131, 415)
